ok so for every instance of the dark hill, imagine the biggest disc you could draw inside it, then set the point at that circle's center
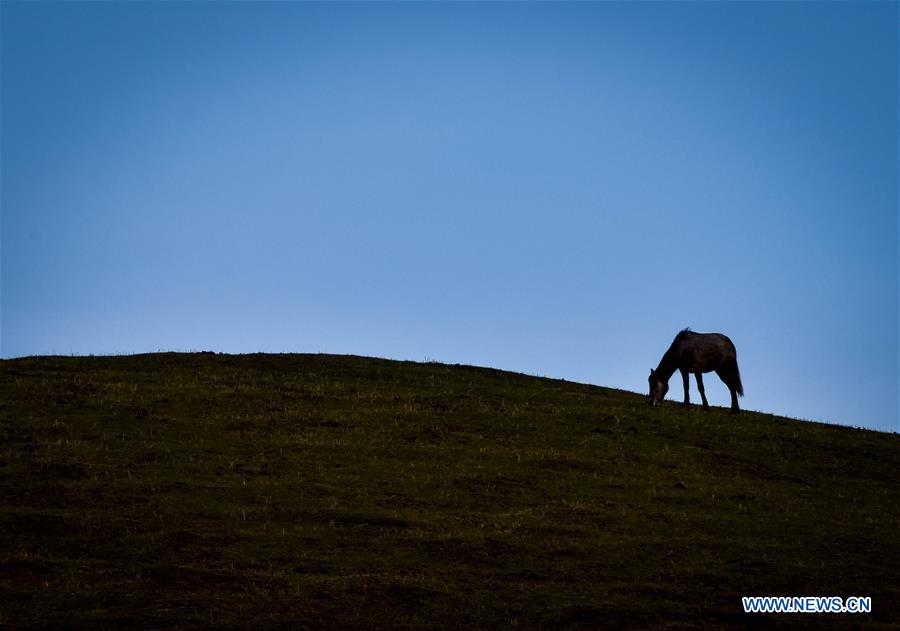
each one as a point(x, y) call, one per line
point(198, 490)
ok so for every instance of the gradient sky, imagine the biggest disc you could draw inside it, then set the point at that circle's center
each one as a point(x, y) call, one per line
point(553, 188)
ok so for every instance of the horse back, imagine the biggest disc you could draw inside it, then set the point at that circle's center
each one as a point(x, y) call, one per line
point(702, 352)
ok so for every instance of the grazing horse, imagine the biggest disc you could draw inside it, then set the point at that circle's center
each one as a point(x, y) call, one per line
point(697, 353)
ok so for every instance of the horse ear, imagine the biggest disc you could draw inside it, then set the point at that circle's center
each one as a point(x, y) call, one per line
point(651, 372)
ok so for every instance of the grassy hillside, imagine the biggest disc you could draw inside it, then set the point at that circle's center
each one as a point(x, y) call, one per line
point(314, 490)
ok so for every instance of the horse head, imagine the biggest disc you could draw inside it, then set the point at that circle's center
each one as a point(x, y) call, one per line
point(658, 388)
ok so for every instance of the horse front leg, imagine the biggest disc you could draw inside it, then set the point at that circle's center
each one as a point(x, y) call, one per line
point(685, 377)
point(702, 391)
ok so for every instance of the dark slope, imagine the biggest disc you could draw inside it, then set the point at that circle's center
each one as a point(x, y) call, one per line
point(314, 490)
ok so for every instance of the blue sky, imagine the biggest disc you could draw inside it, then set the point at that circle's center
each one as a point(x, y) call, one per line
point(548, 188)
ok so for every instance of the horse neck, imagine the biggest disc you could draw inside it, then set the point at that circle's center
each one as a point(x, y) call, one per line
point(667, 366)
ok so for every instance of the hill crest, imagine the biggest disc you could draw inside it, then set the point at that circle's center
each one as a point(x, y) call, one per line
point(169, 488)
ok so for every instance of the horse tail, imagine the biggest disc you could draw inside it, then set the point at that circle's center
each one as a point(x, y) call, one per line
point(738, 386)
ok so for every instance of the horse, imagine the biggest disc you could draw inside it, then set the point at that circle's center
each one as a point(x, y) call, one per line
point(697, 353)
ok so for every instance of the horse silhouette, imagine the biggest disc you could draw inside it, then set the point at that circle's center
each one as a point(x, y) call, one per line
point(697, 353)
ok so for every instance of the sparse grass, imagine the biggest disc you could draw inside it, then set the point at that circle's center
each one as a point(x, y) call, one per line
point(198, 490)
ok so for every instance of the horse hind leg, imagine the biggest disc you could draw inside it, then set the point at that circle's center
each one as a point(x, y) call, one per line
point(734, 404)
point(699, 376)
point(728, 378)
